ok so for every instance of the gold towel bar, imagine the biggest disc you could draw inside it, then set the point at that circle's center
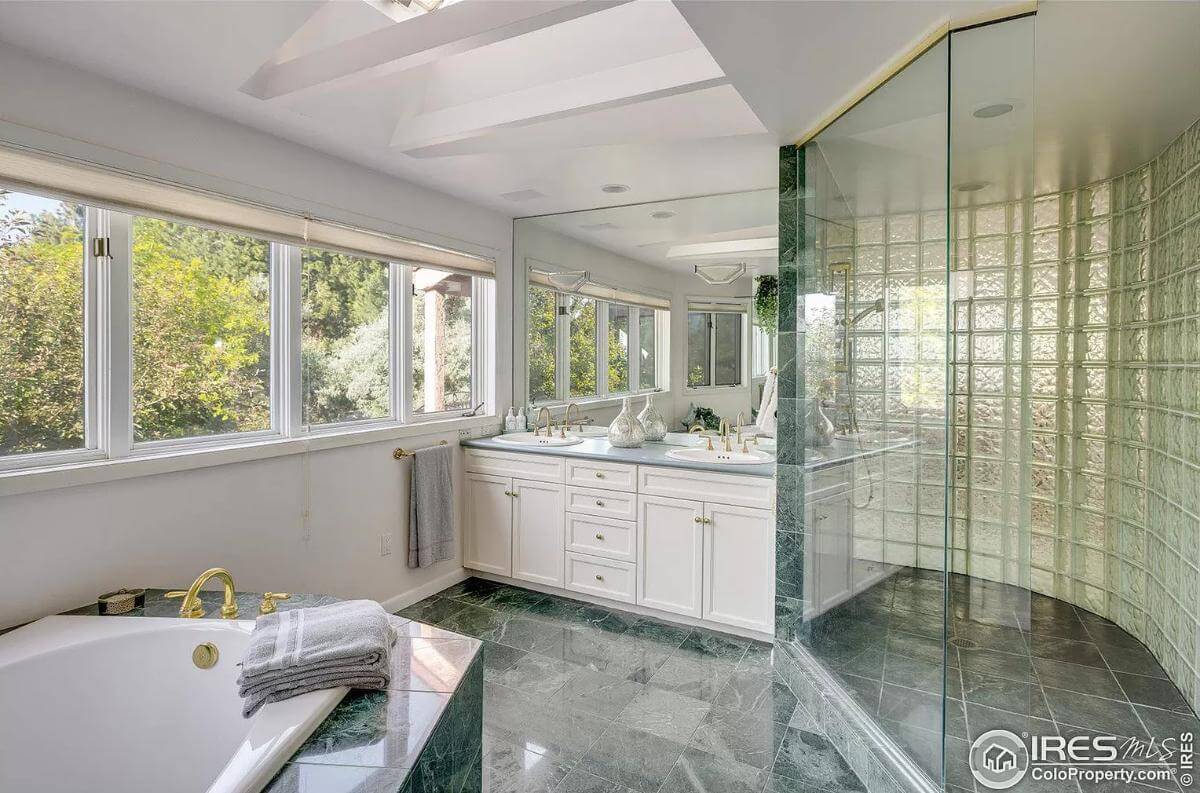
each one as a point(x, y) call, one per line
point(399, 453)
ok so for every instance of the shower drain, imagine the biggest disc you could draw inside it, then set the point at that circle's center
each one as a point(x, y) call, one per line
point(963, 643)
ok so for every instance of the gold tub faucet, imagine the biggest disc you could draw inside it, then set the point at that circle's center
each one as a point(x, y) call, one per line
point(192, 607)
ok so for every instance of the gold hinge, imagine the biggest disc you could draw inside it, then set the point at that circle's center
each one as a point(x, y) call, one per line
point(100, 246)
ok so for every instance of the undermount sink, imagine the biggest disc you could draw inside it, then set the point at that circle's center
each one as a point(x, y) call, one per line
point(720, 457)
point(530, 439)
point(590, 431)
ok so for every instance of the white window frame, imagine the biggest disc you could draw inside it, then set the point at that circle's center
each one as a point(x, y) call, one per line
point(108, 327)
point(743, 374)
point(562, 352)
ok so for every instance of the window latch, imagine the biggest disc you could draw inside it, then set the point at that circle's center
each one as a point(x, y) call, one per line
point(100, 247)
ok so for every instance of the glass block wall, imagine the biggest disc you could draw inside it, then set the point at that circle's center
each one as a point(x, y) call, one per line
point(1075, 396)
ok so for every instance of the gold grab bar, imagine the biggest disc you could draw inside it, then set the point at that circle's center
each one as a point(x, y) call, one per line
point(399, 453)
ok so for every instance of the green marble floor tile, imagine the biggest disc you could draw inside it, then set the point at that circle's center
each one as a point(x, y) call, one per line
point(630, 757)
point(699, 772)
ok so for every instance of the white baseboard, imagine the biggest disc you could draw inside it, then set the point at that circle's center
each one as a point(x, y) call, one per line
point(406, 599)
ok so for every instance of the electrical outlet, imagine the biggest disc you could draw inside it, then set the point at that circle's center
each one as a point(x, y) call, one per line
point(385, 545)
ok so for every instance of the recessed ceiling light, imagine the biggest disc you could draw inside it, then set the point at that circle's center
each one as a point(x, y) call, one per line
point(971, 187)
point(615, 188)
point(662, 214)
point(991, 111)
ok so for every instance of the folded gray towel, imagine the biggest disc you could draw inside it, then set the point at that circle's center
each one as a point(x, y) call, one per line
point(293, 652)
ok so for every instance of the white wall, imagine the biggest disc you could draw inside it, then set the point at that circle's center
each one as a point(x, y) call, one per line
point(534, 241)
point(62, 547)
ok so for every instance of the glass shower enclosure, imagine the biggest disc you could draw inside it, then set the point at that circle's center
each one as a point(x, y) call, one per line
point(988, 454)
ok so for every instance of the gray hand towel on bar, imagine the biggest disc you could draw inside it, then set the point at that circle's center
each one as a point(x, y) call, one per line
point(431, 507)
point(295, 651)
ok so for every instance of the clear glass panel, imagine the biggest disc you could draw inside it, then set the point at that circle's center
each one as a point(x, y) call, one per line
point(441, 339)
point(863, 556)
point(648, 365)
point(699, 350)
point(542, 344)
point(41, 324)
point(727, 339)
point(582, 345)
point(201, 331)
point(345, 338)
point(618, 347)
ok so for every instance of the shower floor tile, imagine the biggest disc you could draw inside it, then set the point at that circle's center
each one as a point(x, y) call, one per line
point(1014, 660)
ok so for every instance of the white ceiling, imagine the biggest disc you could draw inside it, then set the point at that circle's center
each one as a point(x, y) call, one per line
point(526, 106)
point(739, 220)
point(530, 106)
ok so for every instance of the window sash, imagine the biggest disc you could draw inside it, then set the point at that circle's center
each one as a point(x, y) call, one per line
point(713, 354)
point(108, 327)
point(604, 390)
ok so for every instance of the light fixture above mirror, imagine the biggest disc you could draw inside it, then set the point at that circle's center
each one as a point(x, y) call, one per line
point(720, 274)
point(566, 280)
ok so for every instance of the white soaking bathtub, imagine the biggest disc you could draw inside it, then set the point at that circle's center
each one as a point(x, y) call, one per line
point(116, 705)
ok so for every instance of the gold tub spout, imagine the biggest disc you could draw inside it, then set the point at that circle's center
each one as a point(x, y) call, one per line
point(192, 607)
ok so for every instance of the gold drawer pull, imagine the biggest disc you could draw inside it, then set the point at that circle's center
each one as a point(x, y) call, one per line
point(599, 474)
point(599, 577)
point(599, 503)
point(600, 537)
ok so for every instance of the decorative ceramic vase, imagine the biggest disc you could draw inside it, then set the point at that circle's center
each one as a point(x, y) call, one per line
point(652, 421)
point(626, 432)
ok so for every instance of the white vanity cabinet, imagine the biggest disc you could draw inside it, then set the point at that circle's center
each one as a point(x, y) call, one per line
point(677, 541)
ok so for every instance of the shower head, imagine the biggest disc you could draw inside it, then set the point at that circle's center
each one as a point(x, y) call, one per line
point(874, 308)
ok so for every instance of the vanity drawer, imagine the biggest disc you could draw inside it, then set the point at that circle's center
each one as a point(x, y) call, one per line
point(607, 578)
point(738, 490)
point(614, 539)
point(602, 503)
point(541, 467)
point(609, 476)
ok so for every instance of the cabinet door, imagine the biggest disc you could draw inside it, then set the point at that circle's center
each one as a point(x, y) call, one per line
point(670, 548)
point(489, 524)
point(834, 558)
point(539, 532)
point(739, 566)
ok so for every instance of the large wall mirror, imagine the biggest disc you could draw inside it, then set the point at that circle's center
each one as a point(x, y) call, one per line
point(674, 299)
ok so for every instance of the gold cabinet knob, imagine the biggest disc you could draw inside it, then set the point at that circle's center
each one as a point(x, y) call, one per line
point(268, 601)
point(698, 519)
point(515, 494)
point(708, 520)
point(599, 474)
point(599, 577)
point(599, 536)
point(599, 503)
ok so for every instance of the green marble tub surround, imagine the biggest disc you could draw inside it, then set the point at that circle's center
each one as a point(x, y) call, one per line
point(422, 735)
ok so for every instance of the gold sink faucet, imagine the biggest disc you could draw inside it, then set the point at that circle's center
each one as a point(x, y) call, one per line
point(192, 607)
point(740, 420)
point(567, 417)
point(723, 429)
point(537, 425)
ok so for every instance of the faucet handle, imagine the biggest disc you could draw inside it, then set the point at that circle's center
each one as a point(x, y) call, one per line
point(268, 601)
point(195, 610)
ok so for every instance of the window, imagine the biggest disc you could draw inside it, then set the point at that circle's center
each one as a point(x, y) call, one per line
point(344, 338)
point(127, 335)
point(647, 345)
point(714, 348)
point(618, 347)
point(201, 337)
point(582, 347)
point(441, 341)
point(543, 344)
point(42, 345)
point(610, 348)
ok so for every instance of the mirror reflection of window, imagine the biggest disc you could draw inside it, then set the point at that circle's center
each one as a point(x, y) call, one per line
point(648, 367)
point(699, 350)
point(543, 348)
point(618, 348)
point(582, 346)
point(714, 348)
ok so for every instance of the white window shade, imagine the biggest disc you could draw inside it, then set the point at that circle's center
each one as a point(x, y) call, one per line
point(717, 305)
point(120, 191)
point(612, 294)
